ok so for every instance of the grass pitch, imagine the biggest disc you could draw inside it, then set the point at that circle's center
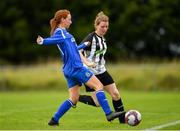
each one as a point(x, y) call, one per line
point(32, 110)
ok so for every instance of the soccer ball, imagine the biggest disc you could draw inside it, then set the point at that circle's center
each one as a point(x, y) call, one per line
point(133, 117)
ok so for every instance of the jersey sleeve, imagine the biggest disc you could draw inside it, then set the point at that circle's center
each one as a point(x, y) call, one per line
point(89, 40)
point(56, 38)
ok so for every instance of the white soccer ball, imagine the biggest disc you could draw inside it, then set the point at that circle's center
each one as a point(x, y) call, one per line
point(133, 117)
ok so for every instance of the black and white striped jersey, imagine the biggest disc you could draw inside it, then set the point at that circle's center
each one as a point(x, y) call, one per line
point(95, 52)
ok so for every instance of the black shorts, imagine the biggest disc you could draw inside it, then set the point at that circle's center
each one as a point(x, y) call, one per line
point(105, 78)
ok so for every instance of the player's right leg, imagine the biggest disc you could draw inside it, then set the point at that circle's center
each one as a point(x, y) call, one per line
point(66, 105)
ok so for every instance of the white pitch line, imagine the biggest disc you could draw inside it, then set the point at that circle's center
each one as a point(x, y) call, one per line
point(163, 126)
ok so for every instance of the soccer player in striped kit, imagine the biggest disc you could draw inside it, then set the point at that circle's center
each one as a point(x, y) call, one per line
point(92, 50)
point(74, 71)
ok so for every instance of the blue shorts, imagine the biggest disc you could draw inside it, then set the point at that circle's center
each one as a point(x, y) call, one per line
point(78, 77)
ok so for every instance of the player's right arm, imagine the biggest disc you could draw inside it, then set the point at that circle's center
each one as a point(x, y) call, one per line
point(85, 61)
point(57, 38)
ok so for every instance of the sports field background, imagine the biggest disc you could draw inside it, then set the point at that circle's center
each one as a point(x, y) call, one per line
point(143, 58)
point(129, 76)
point(30, 95)
point(32, 110)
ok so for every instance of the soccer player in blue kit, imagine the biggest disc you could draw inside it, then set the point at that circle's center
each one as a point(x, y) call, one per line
point(74, 71)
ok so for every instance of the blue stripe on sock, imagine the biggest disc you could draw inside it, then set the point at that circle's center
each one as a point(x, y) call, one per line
point(65, 106)
point(103, 102)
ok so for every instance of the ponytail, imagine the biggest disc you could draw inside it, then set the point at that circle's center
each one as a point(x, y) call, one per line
point(54, 22)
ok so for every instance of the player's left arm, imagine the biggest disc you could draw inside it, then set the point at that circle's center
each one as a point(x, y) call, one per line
point(83, 58)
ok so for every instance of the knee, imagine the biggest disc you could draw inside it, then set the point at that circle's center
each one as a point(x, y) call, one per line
point(99, 87)
point(115, 95)
point(74, 99)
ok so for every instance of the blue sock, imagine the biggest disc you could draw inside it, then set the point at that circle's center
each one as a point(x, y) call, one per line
point(103, 102)
point(62, 109)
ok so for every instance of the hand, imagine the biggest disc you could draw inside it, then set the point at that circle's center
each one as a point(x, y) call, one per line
point(39, 40)
point(87, 43)
point(91, 64)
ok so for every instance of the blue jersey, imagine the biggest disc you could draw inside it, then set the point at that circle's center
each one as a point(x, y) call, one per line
point(68, 48)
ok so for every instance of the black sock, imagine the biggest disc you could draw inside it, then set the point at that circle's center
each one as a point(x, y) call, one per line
point(87, 100)
point(118, 106)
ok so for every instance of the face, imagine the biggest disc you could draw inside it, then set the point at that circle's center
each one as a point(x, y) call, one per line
point(67, 21)
point(102, 28)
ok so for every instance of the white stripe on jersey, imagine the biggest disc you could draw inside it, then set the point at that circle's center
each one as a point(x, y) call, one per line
point(64, 38)
point(93, 50)
point(94, 56)
point(60, 49)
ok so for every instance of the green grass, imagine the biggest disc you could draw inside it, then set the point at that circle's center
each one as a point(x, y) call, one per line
point(32, 110)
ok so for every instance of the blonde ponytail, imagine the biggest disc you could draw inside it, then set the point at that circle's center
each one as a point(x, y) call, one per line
point(100, 17)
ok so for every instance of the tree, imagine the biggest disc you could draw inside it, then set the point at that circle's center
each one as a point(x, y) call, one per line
point(138, 28)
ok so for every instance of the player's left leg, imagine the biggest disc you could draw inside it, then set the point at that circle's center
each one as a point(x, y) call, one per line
point(85, 76)
point(89, 100)
point(116, 100)
point(100, 95)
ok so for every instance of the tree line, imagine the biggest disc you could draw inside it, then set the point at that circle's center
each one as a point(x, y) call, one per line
point(138, 29)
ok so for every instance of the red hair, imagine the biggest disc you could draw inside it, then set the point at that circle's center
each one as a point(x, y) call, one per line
point(54, 22)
